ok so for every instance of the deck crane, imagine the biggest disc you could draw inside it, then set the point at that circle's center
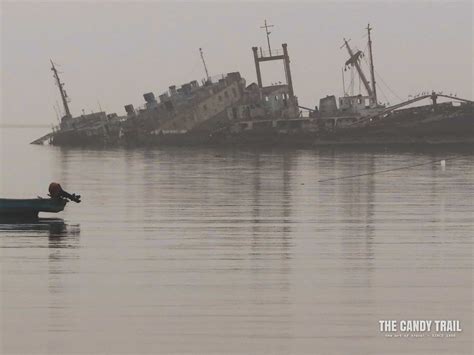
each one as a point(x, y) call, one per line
point(354, 59)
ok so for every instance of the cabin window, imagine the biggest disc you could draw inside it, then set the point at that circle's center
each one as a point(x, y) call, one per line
point(276, 98)
point(359, 101)
point(266, 98)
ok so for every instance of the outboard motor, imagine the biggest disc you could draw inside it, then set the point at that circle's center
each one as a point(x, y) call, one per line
point(56, 191)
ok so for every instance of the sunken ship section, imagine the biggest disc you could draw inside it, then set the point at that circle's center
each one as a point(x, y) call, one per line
point(185, 115)
point(214, 111)
point(224, 110)
point(355, 119)
point(94, 129)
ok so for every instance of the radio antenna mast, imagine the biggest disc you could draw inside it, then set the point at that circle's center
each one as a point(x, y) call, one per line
point(64, 96)
point(266, 27)
point(374, 91)
point(204, 62)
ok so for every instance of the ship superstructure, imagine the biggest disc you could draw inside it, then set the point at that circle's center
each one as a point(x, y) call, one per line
point(96, 128)
point(272, 106)
point(349, 113)
point(188, 110)
point(351, 107)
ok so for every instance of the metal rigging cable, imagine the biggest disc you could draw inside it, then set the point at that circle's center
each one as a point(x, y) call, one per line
point(383, 81)
point(387, 170)
point(383, 94)
point(388, 87)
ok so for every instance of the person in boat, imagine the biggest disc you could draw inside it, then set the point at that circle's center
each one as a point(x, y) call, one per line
point(56, 191)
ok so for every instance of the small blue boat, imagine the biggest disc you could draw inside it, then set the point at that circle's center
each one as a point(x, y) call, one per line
point(30, 207)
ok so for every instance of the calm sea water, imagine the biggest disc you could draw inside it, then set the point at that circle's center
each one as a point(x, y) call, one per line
point(234, 251)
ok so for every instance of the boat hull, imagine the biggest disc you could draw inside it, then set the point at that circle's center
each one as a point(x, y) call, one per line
point(424, 125)
point(76, 138)
point(30, 207)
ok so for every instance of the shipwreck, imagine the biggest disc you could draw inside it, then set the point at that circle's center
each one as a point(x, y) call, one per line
point(224, 110)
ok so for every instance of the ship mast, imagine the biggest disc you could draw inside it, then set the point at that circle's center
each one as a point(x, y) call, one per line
point(372, 65)
point(204, 62)
point(266, 27)
point(354, 60)
point(64, 96)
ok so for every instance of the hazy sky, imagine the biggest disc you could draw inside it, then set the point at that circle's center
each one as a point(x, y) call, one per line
point(113, 52)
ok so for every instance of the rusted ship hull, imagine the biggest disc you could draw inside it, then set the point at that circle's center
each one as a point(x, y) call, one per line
point(421, 126)
point(77, 138)
point(425, 125)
